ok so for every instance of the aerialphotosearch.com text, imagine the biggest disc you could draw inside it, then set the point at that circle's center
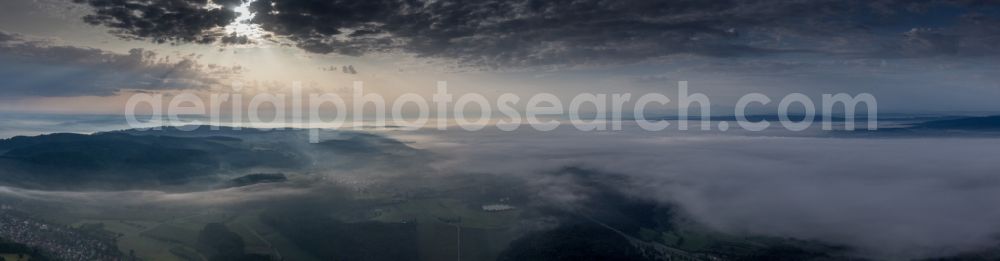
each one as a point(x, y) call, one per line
point(507, 112)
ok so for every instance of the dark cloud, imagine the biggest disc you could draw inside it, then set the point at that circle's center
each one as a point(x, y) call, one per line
point(234, 39)
point(164, 21)
point(572, 32)
point(919, 41)
point(6, 37)
point(41, 68)
point(508, 33)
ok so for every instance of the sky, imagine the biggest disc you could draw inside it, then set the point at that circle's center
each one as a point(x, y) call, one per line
point(88, 56)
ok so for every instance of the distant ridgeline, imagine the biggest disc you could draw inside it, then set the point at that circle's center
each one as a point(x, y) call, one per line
point(944, 126)
point(989, 123)
point(170, 157)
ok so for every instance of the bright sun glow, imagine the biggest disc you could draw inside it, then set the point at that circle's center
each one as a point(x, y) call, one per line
point(242, 26)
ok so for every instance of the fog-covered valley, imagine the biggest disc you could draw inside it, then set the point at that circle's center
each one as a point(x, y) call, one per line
point(522, 195)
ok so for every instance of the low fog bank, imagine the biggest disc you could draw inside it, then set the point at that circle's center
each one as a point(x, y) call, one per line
point(887, 198)
point(139, 198)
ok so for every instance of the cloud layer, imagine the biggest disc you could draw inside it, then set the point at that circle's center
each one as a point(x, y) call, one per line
point(533, 32)
point(45, 69)
point(164, 21)
point(886, 197)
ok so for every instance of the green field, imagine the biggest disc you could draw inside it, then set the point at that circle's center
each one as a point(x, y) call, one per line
point(483, 234)
point(15, 257)
point(426, 210)
point(176, 238)
point(172, 234)
point(249, 223)
point(131, 238)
